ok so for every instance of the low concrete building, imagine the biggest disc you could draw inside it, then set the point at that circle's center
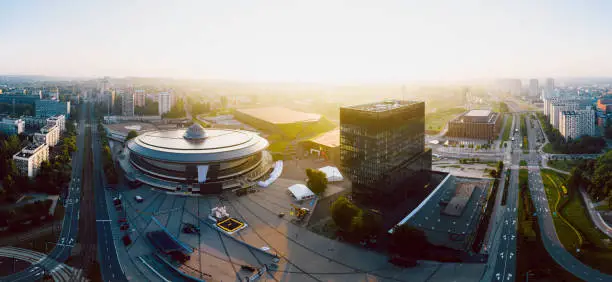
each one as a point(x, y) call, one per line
point(451, 214)
point(476, 124)
point(326, 146)
point(29, 159)
point(12, 126)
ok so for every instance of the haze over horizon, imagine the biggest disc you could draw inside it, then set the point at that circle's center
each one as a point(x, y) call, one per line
point(313, 41)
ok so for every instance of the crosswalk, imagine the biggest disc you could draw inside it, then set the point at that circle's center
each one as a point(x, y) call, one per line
point(60, 272)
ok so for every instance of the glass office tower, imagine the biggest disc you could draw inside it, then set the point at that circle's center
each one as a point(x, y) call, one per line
point(382, 146)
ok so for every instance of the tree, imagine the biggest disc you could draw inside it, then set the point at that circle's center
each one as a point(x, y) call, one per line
point(366, 224)
point(131, 135)
point(317, 181)
point(408, 241)
point(343, 212)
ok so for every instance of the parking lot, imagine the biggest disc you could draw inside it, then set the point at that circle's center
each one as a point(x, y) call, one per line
point(304, 255)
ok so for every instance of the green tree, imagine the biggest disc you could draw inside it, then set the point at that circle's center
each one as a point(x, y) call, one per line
point(131, 135)
point(343, 212)
point(317, 181)
point(408, 241)
point(366, 224)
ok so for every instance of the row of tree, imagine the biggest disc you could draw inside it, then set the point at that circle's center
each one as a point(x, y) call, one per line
point(107, 158)
point(595, 176)
point(177, 110)
point(16, 218)
point(583, 145)
point(151, 108)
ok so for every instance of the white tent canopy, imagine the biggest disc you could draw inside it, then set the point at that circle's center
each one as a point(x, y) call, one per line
point(300, 192)
point(332, 173)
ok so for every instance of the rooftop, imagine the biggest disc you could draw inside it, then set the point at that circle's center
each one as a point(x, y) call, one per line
point(126, 127)
point(279, 115)
point(478, 113)
point(329, 139)
point(383, 106)
point(218, 145)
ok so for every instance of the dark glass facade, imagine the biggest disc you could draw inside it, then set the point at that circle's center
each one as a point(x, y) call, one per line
point(382, 145)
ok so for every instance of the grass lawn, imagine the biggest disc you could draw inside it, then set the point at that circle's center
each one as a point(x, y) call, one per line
point(548, 148)
point(507, 128)
point(553, 181)
point(531, 255)
point(572, 222)
point(603, 208)
point(523, 163)
point(436, 121)
point(566, 165)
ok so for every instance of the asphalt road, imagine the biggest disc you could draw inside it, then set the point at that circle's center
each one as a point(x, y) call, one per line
point(549, 235)
point(504, 267)
point(107, 254)
point(70, 224)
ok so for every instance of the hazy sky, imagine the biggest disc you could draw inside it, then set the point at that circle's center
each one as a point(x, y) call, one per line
point(310, 40)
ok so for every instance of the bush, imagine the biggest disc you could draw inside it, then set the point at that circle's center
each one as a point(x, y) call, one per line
point(343, 211)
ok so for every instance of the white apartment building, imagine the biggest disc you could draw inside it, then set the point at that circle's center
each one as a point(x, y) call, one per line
point(165, 102)
point(557, 109)
point(139, 97)
point(29, 159)
point(574, 124)
point(59, 120)
point(549, 87)
point(49, 134)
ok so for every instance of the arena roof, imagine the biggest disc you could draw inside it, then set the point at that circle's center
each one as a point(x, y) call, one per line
point(218, 145)
point(279, 115)
point(478, 113)
point(126, 127)
point(329, 139)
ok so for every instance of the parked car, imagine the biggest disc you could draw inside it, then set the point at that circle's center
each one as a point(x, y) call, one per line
point(138, 198)
point(126, 240)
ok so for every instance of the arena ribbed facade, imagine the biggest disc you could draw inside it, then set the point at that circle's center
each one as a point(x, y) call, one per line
point(196, 160)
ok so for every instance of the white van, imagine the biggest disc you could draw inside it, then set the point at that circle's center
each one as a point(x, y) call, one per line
point(138, 199)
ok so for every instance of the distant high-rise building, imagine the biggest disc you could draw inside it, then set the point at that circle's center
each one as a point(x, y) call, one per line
point(534, 87)
point(382, 145)
point(550, 87)
point(127, 100)
point(512, 86)
point(165, 102)
point(139, 97)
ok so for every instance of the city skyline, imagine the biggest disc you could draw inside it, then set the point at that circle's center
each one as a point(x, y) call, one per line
point(327, 42)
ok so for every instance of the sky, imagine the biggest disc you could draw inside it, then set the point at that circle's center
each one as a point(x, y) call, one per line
point(307, 41)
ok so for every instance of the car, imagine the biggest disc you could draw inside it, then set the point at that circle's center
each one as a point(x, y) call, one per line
point(124, 226)
point(138, 198)
point(126, 240)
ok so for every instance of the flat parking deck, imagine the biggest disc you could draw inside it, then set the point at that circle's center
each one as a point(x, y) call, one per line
point(304, 255)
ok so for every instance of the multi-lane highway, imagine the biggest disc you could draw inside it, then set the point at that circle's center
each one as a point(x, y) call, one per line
point(503, 254)
point(70, 224)
point(547, 228)
point(107, 255)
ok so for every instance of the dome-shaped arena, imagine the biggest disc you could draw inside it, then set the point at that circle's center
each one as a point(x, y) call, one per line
point(196, 159)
